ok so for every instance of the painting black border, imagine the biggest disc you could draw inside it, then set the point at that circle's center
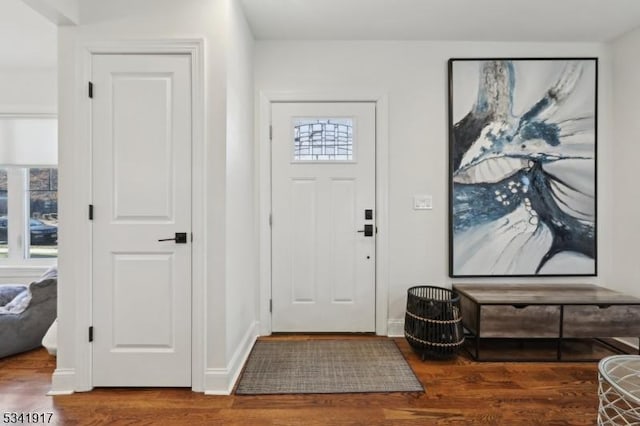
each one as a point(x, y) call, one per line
point(450, 159)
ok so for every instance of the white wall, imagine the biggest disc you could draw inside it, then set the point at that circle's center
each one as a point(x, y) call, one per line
point(414, 75)
point(27, 60)
point(242, 254)
point(626, 113)
point(28, 90)
point(227, 174)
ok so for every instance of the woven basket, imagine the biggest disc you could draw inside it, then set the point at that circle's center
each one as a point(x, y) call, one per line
point(433, 323)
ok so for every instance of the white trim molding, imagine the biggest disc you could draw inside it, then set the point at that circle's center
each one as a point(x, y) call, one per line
point(27, 115)
point(395, 328)
point(75, 295)
point(263, 148)
point(25, 271)
point(63, 382)
point(28, 111)
point(221, 381)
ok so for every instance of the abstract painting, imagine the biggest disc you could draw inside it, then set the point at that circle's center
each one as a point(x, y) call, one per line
point(522, 167)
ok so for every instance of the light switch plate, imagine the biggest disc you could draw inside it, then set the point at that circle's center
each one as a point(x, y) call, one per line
point(422, 202)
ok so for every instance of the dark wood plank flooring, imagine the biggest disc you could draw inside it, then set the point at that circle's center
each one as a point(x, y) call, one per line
point(459, 392)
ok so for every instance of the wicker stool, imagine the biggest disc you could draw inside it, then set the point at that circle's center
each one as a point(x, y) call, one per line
point(619, 390)
point(433, 323)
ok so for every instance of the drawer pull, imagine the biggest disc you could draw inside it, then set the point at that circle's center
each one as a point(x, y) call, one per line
point(520, 306)
point(603, 306)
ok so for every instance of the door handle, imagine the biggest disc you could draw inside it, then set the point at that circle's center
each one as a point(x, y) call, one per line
point(368, 230)
point(180, 238)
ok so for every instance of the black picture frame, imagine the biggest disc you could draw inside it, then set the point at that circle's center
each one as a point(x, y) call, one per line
point(522, 167)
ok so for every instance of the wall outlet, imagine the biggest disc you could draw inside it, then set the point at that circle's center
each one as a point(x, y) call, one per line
point(422, 202)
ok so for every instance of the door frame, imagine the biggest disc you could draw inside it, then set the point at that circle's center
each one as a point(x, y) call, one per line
point(83, 190)
point(263, 148)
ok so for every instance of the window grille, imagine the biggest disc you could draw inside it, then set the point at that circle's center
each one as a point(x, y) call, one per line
point(323, 140)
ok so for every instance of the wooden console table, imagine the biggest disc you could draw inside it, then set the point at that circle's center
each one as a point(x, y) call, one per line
point(555, 313)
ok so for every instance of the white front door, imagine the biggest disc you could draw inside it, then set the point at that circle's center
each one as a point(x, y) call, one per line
point(141, 167)
point(323, 199)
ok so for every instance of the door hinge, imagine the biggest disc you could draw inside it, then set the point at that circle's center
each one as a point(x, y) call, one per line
point(91, 90)
point(91, 334)
point(270, 306)
point(270, 132)
point(270, 219)
point(90, 211)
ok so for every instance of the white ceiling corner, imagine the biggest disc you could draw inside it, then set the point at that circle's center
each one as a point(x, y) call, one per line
point(27, 39)
point(60, 12)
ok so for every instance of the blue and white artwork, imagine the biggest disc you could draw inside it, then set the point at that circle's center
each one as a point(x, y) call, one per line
point(522, 167)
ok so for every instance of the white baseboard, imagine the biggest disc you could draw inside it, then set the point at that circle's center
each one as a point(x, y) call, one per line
point(63, 382)
point(395, 328)
point(220, 381)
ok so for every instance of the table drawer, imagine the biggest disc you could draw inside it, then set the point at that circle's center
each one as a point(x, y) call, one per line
point(520, 321)
point(601, 321)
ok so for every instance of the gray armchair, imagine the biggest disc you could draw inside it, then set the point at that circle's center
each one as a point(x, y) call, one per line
point(25, 319)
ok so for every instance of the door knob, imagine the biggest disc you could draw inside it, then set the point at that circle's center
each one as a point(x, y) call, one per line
point(368, 230)
point(180, 238)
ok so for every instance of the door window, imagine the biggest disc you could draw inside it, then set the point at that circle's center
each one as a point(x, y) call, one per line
point(323, 139)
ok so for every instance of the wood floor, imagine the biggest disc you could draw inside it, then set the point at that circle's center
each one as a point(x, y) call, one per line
point(458, 392)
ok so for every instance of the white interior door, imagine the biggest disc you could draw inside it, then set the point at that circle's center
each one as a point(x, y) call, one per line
point(141, 144)
point(323, 198)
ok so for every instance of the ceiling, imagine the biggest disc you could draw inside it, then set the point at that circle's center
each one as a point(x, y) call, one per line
point(27, 39)
point(453, 20)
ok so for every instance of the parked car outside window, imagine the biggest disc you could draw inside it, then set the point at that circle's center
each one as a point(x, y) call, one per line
point(40, 232)
point(3, 229)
